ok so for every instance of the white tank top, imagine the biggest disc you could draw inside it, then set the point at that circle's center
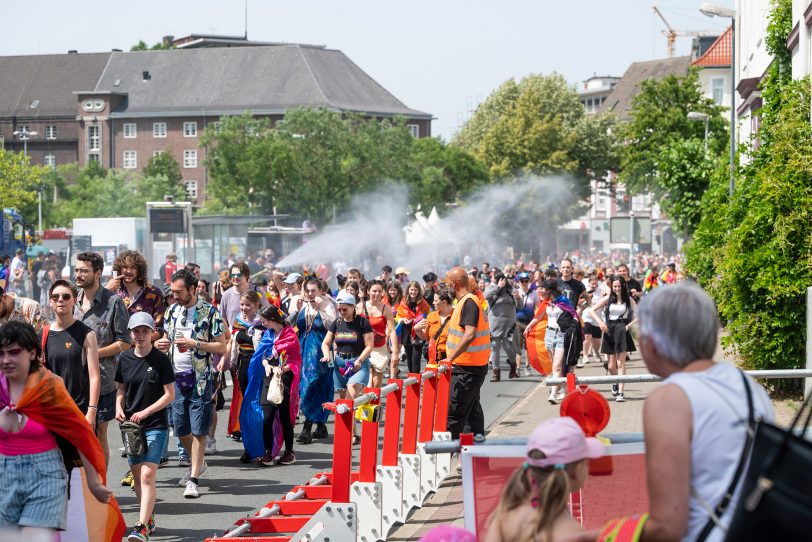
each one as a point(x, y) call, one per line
point(719, 410)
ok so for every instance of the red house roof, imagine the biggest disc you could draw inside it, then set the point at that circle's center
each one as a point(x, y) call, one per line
point(718, 54)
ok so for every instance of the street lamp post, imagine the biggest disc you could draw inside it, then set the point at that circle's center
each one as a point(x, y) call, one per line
point(24, 135)
point(697, 116)
point(714, 10)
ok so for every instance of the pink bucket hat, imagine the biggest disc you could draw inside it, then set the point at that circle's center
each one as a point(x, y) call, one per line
point(562, 441)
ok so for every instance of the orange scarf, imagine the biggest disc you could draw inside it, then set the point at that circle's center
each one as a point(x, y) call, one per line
point(46, 401)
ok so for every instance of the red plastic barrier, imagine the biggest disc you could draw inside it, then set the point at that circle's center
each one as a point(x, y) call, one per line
point(443, 393)
point(428, 401)
point(391, 425)
point(411, 417)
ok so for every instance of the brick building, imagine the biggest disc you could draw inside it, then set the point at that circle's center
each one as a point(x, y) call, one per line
point(121, 108)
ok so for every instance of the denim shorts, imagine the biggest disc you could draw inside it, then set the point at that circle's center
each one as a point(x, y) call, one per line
point(191, 412)
point(553, 339)
point(34, 490)
point(361, 376)
point(156, 442)
point(106, 410)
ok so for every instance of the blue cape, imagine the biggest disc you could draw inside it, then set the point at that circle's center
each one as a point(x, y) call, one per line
point(251, 411)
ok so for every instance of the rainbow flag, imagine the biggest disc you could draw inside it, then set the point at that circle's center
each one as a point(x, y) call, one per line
point(537, 354)
point(46, 401)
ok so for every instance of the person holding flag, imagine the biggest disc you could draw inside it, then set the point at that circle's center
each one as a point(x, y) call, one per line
point(42, 432)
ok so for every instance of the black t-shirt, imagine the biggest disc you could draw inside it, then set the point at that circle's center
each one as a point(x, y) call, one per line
point(572, 288)
point(470, 314)
point(144, 380)
point(64, 356)
point(349, 336)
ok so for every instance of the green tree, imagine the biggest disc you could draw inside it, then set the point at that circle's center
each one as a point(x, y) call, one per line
point(142, 46)
point(663, 151)
point(753, 251)
point(442, 174)
point(164, 164)
point(18, 182)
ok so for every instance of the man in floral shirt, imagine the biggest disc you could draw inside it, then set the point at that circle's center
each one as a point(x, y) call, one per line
point(194, 331)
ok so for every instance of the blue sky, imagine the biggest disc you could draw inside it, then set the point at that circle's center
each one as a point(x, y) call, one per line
point(440, 56)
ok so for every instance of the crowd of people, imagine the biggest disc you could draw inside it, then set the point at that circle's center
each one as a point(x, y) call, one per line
point(154, 356)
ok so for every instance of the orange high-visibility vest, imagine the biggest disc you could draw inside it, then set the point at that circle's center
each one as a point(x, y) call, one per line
point(479, 350)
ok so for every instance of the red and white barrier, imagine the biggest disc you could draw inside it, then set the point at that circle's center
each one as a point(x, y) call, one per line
point(364, 506)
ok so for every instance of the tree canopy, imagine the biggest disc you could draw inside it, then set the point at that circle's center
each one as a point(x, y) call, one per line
point(314, 161)
point(538, 126)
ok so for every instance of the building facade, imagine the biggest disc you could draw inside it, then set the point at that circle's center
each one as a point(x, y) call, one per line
point(122, 108)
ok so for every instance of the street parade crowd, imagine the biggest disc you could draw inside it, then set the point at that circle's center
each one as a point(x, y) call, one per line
point(154, 357)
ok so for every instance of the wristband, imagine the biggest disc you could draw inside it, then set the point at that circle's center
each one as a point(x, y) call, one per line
point(94, 407)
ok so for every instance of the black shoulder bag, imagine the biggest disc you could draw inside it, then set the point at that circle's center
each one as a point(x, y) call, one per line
point(748, 445)
point(776, 497)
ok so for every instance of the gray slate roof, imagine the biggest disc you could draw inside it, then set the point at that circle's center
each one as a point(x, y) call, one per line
point(619, 100)
point(51, 79)
point(268, 79)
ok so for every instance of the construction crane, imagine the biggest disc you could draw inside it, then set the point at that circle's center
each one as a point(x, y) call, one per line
point(671, 34)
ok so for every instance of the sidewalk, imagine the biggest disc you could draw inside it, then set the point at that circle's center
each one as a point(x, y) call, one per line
point(446, 505)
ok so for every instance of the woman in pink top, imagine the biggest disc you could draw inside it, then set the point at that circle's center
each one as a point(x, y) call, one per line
point(32, 472)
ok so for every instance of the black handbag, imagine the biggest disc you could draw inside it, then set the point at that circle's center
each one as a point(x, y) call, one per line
point(135, 441)
point(776, 497)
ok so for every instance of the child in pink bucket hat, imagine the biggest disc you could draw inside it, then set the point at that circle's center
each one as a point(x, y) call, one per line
point(534, 501)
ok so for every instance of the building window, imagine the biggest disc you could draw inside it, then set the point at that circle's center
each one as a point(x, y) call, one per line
point(50, 131)
point(191, 189)
point(21, 130)
point(157, 153)
point(189, 129)
point(129, 130)
point(158, 129)
point(718, 89)
point(600, 201)
point(414, 129)
point(189, 158)
point(50, 160)
point(94, 157)
point(93, 105)
point(130, 160)
point(217, 126)
point(94, 138)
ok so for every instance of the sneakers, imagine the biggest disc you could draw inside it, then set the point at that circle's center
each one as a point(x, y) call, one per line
point(289, 458)
point(581, 363)
point(320, 432)
point(128, 479)
point(266, 460)
point(151, 524)
point(140, 534)
point(561, 394)
point(479, 438)
point(615, 390)
point(184, 461)
point(245, 458)
point(620, 398)
point(164, 462)
point(552, 398)
point(188, 474)
point(211, 445)
point(191, 491)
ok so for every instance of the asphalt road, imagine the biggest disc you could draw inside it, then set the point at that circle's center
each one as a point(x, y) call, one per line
point(230, 490)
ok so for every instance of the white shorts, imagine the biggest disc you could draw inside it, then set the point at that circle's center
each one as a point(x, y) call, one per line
point(378, 358)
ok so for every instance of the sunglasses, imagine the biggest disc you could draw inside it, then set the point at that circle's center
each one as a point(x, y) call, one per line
point(65, 297)
point(236, 275)
point(11, 352)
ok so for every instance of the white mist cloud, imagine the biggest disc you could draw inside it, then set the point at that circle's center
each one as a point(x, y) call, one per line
point(376, 227)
